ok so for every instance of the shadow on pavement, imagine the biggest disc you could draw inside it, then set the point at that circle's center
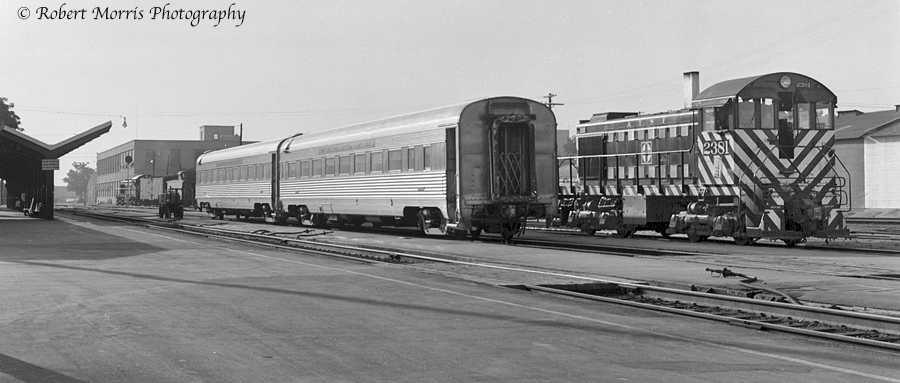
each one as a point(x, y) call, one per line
point(58, 240)
point(31, 373)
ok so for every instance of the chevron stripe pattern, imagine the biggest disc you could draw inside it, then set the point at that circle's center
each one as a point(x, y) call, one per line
point(673, 190)
point(651, 190)
point(766, 180)
point(722, 190)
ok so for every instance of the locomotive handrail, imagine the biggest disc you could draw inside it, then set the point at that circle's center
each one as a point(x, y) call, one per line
point(628, 154)
point(657, 153)
point(792, 164)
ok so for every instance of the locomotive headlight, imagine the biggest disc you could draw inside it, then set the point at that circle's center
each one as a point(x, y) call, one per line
point(785, 82)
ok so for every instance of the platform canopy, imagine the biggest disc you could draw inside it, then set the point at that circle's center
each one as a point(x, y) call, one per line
point(21, 157)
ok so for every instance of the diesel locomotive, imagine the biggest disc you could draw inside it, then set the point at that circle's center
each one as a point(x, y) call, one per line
point(748, 158)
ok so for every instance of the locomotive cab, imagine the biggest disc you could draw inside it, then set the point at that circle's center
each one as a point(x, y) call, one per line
point(766, 142)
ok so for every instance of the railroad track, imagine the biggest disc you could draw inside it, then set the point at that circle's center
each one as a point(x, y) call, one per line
point(865, 329)
point(889, 234)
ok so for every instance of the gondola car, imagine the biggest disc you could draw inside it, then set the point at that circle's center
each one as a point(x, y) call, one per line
point(482, 165)
point(748, 158)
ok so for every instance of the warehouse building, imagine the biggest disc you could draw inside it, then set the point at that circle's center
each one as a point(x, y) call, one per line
point(133, 159)
point(868, 145)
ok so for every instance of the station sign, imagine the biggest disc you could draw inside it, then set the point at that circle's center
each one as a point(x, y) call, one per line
point(51, 164)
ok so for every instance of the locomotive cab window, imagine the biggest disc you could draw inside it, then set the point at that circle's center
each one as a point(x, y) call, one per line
point(823, 113)
point(718, 118)
point(814, 115)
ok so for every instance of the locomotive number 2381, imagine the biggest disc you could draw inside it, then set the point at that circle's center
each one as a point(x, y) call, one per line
point(711, 148)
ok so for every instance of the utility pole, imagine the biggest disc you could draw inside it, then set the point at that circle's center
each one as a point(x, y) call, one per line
point(550, 104)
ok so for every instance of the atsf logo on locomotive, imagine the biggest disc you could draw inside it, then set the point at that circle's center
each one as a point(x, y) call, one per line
point(646, 152)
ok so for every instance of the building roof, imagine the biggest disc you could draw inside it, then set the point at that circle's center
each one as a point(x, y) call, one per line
point(874, 124)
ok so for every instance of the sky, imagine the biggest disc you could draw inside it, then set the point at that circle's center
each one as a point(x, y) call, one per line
point(283, 67)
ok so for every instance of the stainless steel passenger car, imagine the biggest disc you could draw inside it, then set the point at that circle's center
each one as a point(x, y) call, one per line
point(478, 166)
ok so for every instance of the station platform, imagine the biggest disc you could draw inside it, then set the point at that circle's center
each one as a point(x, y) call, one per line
point(10, 214)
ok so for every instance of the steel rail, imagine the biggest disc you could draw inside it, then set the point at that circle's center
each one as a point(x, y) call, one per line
point(761, 325)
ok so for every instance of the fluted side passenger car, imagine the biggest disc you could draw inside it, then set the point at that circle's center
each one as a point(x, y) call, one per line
point(478, 166)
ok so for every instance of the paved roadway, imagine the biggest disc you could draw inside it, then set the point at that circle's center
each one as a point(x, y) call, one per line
point(92, 301)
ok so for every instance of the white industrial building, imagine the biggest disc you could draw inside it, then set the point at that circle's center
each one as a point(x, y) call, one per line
point(868, 144)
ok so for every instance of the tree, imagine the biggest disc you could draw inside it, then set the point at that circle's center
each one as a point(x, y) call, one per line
point(7, 116)
point(568, 148)
point(77, 179)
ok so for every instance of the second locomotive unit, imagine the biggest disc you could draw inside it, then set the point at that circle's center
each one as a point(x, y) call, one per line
point(483, 165)
point(748, 158)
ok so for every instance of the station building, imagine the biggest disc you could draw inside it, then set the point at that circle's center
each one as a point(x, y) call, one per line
point(27, 168)
point(155, 158)
point(868, 145)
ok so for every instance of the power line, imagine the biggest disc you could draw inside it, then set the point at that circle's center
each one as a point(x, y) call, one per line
point(550, 104)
